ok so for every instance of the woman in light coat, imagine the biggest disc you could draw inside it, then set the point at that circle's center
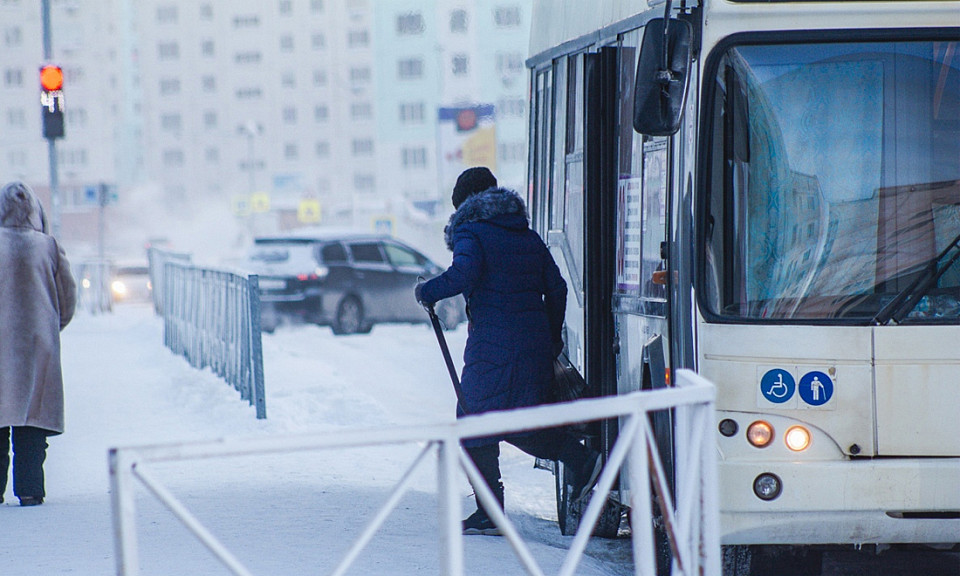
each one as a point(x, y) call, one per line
point(37, 299)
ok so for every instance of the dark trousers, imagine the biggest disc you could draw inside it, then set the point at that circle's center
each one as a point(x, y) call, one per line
point(548, 444)
point(29, 453)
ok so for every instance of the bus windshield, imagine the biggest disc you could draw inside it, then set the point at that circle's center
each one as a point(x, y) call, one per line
point(832, 190)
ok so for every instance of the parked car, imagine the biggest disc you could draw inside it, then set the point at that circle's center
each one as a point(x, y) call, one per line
point(349, 282)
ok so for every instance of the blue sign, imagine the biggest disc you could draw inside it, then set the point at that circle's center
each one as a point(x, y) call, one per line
point(816, 388)
point(777, 385)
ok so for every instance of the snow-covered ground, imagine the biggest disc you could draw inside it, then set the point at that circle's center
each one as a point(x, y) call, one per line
point(283, 514)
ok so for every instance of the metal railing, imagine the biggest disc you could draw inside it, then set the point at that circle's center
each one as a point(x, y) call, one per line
point(691, 520)
point(156, 261)
point(212, 318)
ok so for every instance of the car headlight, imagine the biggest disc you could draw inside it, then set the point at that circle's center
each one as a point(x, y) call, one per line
point(118, 288)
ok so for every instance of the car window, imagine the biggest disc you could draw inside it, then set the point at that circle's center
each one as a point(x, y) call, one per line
point(333, 253)
point(400, 256)
point(272, 254)
point(366, 253)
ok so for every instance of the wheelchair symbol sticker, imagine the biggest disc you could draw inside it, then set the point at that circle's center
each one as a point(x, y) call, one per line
point(777, 386)
point(816, 388)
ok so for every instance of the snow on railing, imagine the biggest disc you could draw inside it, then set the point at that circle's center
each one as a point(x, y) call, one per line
point(156, 261)
point(691, 519)
point(212, 318)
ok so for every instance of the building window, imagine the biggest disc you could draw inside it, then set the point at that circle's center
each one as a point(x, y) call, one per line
point(321, 113)
point(76, 116)
point(316, 5)
point(512, 152)
point(209, 119)
point(319, 77)
point(317, 41)
point(169, 86)
point(458, 21)
point(410, 24)
point(460, 65)
point(251, 21)
point(248, 93)
point(288, 80)
point(322, 149)
point(412, 113)
point(509, 63)
point(361, 110)
point(511, 108)
point(360, 74)
point(286, 7)
point(207, 48)
point(17, 158)
point(363, 147)
point(166, 14)
point(168, 51)
point(247, 57)
point(357, 38)
point(507, 16)
point(13, 36)
point(212, 155)
point(286, 43)
point(364, 182)
point(206, 12)
point(172, 157)
point(170, 121)
point(410, 69)
point(12, 77)
point(290, 115)
point(290, 151)
point(16, 118)
point(413, 157)
point(209, 83)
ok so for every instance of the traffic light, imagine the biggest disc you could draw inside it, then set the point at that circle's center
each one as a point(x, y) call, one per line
point(51, 100)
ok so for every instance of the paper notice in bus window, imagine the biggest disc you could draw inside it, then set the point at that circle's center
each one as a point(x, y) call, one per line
point(629, 234)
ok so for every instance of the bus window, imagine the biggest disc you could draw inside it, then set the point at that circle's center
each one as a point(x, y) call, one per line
point(834, 183)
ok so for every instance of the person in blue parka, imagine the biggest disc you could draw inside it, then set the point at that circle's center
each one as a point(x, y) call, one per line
point(516, 300)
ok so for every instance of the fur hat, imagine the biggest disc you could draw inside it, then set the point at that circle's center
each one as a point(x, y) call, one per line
point(472, 181)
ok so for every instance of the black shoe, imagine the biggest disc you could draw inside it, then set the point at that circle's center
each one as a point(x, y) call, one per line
point(587, 477)
point(31, 501)
point(480, 524)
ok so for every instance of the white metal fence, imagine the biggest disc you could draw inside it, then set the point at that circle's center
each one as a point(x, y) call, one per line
point(212, 318)
point(691, 519)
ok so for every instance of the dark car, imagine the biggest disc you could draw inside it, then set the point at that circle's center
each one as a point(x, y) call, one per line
point(349, 282)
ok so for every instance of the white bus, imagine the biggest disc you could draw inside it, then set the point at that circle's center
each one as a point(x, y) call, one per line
point(768, 193)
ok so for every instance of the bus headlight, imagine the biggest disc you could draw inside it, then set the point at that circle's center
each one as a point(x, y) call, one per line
point(760, 434)
point(767, 486)
point(797, 438)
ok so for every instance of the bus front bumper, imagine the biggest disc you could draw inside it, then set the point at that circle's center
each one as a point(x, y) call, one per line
point(860, 501)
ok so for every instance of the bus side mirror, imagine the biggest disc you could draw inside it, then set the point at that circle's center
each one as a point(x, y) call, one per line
point(663, 73)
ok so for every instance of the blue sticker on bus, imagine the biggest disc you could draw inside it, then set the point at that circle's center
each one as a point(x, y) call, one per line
point(777, 385)
point(816, 388)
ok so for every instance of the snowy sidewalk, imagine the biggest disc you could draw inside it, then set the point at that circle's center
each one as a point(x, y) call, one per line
point(284, 514)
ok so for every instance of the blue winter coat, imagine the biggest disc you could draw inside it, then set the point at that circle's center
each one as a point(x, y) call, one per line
point(515, 296)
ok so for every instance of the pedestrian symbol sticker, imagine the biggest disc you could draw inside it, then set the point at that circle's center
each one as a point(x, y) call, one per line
point(777, 385)
point(816, 388)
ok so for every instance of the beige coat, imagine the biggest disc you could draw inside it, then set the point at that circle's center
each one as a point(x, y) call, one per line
point(37, 299)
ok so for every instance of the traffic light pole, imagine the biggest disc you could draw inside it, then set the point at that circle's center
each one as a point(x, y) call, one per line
point(51, 142)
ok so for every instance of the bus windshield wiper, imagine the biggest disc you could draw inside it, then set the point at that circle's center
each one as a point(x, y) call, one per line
point(907, 299)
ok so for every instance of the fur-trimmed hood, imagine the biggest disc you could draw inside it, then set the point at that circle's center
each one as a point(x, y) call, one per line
point(488, 205)
point(20, 208)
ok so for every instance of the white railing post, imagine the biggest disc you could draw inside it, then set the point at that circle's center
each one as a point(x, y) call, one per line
point(451, 543)
point(641, 526)
point(124, 513)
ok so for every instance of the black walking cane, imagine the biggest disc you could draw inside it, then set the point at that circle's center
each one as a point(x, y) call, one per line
point(438, 330)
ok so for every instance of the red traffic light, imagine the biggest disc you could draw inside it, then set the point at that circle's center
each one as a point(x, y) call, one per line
point(51, 78)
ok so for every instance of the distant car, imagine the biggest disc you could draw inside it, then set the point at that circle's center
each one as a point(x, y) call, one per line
point(130, 283)
point(349, 282)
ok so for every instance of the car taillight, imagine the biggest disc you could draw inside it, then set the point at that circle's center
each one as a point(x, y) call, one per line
point(318, 274)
